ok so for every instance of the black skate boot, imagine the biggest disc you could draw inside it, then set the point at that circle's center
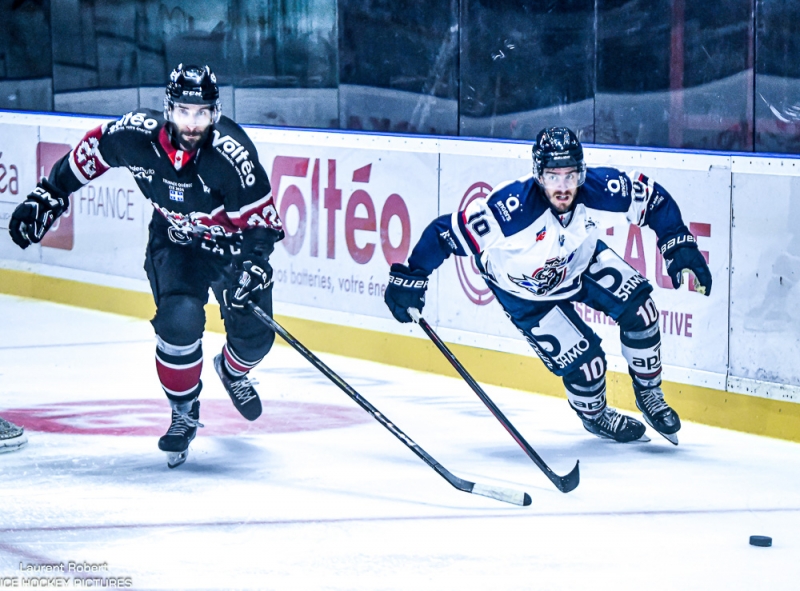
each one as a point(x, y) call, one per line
point(612, 425)
point(185, 421)
point(240, 389)
point(656, 412)
point(11, 437)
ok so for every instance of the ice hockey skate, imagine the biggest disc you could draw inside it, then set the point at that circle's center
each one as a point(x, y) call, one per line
point(240, 389)
point(658, 414)
point(610, 424)
point(12, 437)
point(185, 421)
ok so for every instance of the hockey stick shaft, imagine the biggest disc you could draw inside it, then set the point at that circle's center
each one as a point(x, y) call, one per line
point(563, 483)
point(498, 493)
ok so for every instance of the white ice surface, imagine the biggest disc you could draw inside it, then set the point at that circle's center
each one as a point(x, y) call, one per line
point(352, 508)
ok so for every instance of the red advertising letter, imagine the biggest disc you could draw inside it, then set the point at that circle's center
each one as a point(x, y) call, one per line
point(638, 262)
point(395, 206)
point(353, 223)
point(333, 203)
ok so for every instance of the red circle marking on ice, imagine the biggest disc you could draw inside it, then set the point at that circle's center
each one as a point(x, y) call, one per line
point(152, 417)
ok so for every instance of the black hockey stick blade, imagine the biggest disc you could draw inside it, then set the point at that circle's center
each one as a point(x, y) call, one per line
point(563, 483)
point(499, 493)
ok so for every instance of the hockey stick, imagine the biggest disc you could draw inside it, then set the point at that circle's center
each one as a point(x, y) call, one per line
point(493, 492)
point(563, 483)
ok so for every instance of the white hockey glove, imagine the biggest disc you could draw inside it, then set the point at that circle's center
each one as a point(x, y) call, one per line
point(33, 217)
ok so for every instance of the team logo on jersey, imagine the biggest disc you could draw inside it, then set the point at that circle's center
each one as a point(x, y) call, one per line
point(545, 279)
point(541, 234)
point(178, 237)
point(85, 156)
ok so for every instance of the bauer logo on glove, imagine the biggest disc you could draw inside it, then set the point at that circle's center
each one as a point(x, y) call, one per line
point(682, 255)
point(406, 289)
point(409, 283)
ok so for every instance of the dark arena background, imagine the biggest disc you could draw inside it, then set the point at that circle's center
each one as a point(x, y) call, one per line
point(661, 73)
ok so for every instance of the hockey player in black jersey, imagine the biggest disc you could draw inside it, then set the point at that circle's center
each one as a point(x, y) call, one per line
point(536, 243)
point(214, 225)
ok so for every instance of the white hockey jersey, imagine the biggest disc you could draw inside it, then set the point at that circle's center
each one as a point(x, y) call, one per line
point(526, 249)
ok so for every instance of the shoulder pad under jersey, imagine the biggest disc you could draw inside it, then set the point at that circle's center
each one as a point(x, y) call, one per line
point(515, 204)
point(144, 121)
point(231, 142)
point(607, 189)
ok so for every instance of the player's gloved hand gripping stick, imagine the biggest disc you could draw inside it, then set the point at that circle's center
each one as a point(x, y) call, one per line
point(563, 483)
point(406, 290)
point(494, 492)
point(405, 297)
point(250, 278)
point(251, 272)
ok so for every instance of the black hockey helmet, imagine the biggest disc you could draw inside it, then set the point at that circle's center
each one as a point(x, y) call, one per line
point(196, 85)
point(558, 147)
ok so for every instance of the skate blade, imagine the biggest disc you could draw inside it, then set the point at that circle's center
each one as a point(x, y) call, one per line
point(643, 439)
point(176, 458)
point(13, 444)
point(673, 438)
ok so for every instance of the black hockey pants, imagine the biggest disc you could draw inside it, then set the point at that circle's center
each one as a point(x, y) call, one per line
point(180, 277)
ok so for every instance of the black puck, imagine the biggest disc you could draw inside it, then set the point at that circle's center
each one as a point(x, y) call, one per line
point(763, 541)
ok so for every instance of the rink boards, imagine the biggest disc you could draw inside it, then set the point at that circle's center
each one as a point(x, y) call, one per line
point(354, 203)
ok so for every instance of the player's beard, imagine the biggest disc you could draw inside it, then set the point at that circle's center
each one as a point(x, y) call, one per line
point(562, 206)
point(189, 140)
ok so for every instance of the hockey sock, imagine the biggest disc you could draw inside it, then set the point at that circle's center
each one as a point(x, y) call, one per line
point(586, 388)
point(641, 345)
point(179, 368)
point(235, 365)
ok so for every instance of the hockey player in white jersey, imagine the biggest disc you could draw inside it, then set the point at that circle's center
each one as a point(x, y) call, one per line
point(536, 243)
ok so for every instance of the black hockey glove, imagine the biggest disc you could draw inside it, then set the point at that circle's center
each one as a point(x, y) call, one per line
point(249, 278)
point(33, 217)
point(680, 254)
point(251, 269)
point(406, 290)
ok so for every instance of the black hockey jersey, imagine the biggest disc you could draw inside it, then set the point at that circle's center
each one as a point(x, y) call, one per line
point(217, 190)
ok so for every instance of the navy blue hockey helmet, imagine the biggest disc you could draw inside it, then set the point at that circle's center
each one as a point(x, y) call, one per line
point(196, 85)
point(558, 147)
